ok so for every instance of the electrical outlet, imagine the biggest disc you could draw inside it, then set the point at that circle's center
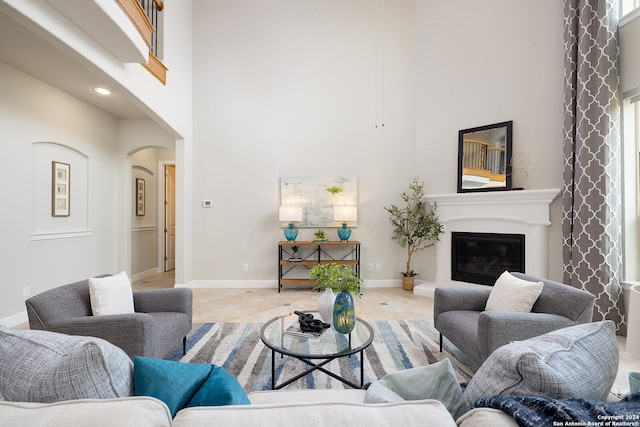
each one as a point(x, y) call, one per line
point(26, 291)
point(371, 266)
point(378, 267)
point(245, 266)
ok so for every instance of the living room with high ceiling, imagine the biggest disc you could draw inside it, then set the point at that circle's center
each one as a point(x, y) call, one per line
point(219, 106)
point(376, 91)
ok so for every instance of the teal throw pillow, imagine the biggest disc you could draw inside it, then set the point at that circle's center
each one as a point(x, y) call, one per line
point(175, 383)
point(221, 388)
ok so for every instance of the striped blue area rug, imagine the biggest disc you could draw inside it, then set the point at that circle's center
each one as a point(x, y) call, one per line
point(397, 345)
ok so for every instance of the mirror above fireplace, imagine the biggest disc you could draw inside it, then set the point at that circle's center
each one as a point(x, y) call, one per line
point(484, 155)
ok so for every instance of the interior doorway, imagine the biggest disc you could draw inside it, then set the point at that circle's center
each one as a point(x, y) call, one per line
point(169, 197)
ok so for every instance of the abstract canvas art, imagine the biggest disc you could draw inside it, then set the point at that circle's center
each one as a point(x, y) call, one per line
point(317, 196)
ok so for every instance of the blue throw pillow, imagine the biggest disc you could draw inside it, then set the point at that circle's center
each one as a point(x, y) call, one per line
point(175, 383)
point(221, 388)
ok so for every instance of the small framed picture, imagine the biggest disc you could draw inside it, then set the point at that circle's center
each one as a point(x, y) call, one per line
point(61, 189)
point(139, 197)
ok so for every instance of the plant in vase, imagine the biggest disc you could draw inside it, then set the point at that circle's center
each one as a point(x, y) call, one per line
point(339, 310)
point(320, 236)
point(415, 227)
point(295, 257)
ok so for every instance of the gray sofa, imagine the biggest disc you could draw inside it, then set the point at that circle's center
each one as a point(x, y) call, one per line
point(162, 318)
point(459, 316)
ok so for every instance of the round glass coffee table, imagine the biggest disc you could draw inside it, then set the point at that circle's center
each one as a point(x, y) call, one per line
point(329, 346)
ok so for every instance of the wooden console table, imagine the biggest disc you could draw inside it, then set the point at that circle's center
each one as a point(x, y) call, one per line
point(337, 252)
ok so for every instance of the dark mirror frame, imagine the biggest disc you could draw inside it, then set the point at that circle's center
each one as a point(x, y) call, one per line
point(506, 159)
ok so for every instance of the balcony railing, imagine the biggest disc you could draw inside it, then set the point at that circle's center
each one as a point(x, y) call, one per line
point(482, 160)
point(145, 15)
point(152, 8)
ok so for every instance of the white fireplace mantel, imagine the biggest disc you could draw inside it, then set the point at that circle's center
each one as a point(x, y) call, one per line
point(515, 212)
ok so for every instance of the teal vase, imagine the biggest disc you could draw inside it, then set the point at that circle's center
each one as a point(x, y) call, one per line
point(344, 233)
point(290, 233)
point(344, 313)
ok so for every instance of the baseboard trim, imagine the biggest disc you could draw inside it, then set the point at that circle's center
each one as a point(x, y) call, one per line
point(383, 283)
point(225, 284)
point(15, 320)
point(144, 274)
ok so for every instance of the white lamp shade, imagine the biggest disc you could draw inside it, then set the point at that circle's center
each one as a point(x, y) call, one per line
point(345, 213)
point(290, 213)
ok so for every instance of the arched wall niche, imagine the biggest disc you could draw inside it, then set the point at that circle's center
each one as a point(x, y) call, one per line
point(45, 225)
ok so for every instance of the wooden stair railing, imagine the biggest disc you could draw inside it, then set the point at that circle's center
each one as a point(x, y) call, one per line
point(144, 16)
point(482, 160)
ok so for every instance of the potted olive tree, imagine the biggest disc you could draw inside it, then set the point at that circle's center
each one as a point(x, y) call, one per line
point(415, 226)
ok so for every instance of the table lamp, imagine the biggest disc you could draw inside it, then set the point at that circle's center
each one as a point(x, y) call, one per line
point(344, 214)
point(290, 214)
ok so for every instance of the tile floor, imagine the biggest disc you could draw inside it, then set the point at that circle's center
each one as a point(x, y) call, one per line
point(259, 305)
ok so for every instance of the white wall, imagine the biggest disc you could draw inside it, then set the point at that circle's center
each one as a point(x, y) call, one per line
point(32, 112)
point(167, 105)
point(285, 88)
point(486, 62)
point(289, 88)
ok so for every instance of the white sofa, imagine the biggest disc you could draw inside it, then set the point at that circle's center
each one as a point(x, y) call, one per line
point(284, 408)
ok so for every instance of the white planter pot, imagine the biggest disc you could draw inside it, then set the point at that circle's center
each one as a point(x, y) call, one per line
point(325, 306)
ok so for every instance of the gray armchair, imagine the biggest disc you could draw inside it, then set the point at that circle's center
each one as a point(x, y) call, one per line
point(161, 320)
point(458, 314)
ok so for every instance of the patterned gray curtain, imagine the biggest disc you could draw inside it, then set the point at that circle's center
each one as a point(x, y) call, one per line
point(592, 207)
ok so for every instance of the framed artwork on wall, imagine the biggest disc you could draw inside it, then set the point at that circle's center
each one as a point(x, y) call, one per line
point(139, 197)
point(317, 196)
point(60, 190)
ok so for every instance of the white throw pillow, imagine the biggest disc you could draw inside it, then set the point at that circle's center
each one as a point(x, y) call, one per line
point(111, 295)
point(513, 294)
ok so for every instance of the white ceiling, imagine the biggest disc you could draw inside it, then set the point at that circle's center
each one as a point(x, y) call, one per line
point(24, 50)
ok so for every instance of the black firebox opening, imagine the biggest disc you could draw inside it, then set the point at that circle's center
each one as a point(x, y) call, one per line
point(482, 257)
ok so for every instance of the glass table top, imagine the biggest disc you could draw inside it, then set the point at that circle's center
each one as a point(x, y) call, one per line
point(329, 345)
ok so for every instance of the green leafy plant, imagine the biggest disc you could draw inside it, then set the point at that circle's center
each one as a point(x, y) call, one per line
point(320, 235)
point(415, 227)
point(339, 277)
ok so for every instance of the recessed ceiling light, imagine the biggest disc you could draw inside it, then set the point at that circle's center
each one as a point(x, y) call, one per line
point(102, 91)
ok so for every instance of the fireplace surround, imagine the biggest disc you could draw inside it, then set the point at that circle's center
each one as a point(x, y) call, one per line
point(524, 212)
